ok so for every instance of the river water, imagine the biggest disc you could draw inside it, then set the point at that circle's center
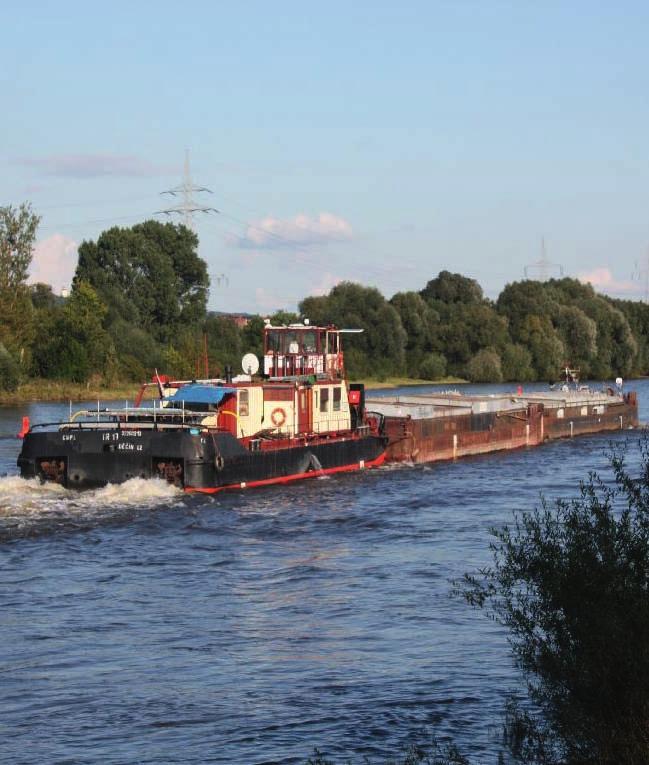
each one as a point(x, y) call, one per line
point(140, 625)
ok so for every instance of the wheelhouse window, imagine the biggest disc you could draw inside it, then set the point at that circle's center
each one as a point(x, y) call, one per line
point(324, 400)
point(290, 342)
point(273, 342)
point(243, 403)
point(309, 342)
point(337, 397)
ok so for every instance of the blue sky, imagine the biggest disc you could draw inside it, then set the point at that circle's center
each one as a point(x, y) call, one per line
point(378, 142)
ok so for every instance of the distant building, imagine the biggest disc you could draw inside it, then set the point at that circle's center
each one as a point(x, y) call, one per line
point(240, 319)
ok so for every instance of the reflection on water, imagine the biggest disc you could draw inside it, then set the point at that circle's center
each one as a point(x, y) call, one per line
point(143, 625)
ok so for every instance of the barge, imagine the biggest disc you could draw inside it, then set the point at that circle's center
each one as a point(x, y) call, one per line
point(297, 419)
point(443, 426)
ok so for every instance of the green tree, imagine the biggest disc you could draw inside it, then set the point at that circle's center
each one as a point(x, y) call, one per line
point(71, 343)
point(9, 370)
point(432, 367)
point(485, 366)
point(149, 275)
point(138, 352)
point(284, 317)
point(538, 334)
point(43, 297)
point(380, 349)
point(637, 316)
point(569, 581)
point(452, 288)
point(519, 300)
point(252, 337)
point(17, 236)
point(421, 325)
point(224, 343)
point(578, 333)
point(517, 363)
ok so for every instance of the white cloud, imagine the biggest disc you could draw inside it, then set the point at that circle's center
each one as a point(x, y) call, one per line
point(272, 233)
point(603, 280)
point(54, 261)
point(326, 284)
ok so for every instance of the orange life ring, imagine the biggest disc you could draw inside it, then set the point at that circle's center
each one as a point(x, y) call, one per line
point(278, 416)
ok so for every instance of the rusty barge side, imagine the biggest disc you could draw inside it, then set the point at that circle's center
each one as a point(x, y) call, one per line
point(427, 428)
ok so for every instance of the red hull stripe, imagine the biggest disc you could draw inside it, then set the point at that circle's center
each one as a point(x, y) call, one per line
point(287, 478)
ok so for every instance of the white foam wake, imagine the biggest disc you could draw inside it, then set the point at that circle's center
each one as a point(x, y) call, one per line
point(22, 497)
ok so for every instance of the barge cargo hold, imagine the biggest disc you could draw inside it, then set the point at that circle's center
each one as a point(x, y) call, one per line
point(430, 427)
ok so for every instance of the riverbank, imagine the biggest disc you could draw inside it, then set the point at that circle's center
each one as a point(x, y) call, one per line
point(60, 390)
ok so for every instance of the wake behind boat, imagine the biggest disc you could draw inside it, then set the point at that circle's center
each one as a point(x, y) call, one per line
point(296, 420)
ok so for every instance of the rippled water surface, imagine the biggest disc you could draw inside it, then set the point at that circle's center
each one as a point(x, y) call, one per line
point(138, 624)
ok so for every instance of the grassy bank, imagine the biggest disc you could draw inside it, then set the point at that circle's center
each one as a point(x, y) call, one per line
point(59, 390)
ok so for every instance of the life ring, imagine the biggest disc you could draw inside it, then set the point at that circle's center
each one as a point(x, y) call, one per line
point(278, 417)
point(219, 462)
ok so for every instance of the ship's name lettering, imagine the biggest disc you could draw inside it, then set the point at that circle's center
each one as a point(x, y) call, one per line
point(69, 437)
point(125, 446)
point(132, 433)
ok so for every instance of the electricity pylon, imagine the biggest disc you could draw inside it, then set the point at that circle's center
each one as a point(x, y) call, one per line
point(543, 265)
point(189, 205)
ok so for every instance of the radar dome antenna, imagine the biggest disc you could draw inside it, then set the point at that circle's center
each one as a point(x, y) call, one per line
point(250, 364)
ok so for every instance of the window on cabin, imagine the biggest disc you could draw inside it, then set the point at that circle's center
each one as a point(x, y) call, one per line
point(243, 403)
point(290, 343)
point(309, 341)
point(337, 397)
point(272, 342)
point(333, 342)
point(324, 400)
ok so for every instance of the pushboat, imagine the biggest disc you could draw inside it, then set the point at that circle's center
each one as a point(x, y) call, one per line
point(299, 418)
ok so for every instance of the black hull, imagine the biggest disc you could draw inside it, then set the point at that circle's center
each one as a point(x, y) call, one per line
point(197, 461)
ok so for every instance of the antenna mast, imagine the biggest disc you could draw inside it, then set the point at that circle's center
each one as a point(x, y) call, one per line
point(189, 205)
point(544, 266)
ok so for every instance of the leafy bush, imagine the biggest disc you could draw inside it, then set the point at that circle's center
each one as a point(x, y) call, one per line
point(9, 370)
point(517, 363)
point(570, 582)
point(70, 362)
point(132, 369)
point(485, 366)
point(433, 367)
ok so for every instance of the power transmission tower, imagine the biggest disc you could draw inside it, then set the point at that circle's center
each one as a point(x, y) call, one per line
point(543, 266)
point(189, 205)
point(643, 274)
point(222, 280)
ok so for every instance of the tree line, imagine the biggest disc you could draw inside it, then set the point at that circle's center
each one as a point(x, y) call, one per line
point(139, 302)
